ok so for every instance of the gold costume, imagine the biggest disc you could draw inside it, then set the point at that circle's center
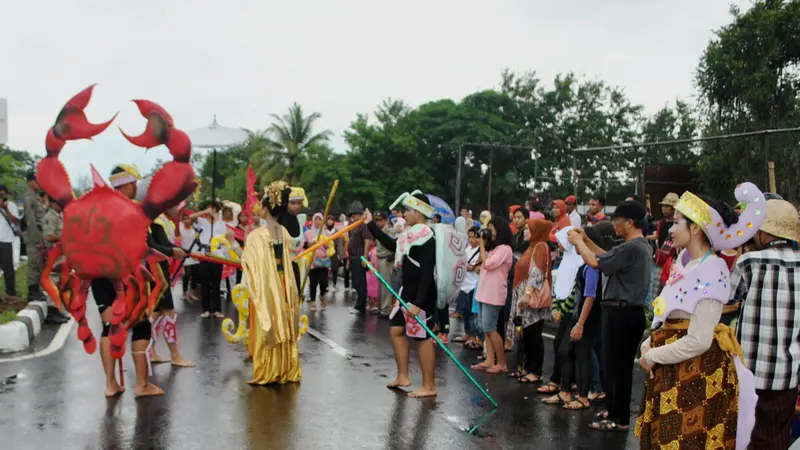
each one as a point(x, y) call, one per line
point(275, 308)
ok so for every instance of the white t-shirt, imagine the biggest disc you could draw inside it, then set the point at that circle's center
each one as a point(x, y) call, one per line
point(471, 278)
point(6, 232)
point(207, 231)
point(575, 219)
point(187, 237)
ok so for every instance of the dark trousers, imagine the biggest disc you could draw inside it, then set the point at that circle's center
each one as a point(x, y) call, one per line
point(622, 333)
point(502, 320)
point(210, 279)
point(7, 265)
point(190, 278)
point(335, 264)
point(575, 356)
point(318, 277)
point(346, 274)
point(562, 334)
point(359, 274)
point(444, 320)
point(774, 415)
point(534, 348)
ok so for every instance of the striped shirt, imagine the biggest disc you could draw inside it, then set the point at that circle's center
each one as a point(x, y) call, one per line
point(767, 281)
point(358, 238)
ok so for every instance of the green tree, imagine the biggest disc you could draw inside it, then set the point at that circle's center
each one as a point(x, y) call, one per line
point(14, 165)
point(748, 80)
point(285, 144)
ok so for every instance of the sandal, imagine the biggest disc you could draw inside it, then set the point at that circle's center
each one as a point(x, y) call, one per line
point(576, 405)
point(479, 367)
point(602, 415)
point(597, 397)
point(517, 374)
point(527, 380)
point(607, 425)
point(322, 303)
point(556, 400)
point(549, 388)
point(314, 307)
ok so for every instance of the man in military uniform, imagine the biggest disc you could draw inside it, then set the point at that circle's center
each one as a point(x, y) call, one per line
point(51, 234)
point(35, 247)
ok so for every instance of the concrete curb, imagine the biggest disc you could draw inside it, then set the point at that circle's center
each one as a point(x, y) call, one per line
point(18, 334)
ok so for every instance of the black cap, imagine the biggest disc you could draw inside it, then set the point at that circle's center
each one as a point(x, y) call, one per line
point(633, 210)
point(30, 176)
point(380, 214)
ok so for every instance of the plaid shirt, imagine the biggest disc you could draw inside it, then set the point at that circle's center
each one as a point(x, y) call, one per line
point(767, 281)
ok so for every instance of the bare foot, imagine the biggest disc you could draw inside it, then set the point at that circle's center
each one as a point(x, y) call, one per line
point(148, 390)
point(421, 393)
point(399, 382)
point(115, 390)
point(178, 361)
point(156, 359)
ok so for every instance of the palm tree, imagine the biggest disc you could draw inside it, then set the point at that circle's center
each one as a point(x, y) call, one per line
point(285, 143)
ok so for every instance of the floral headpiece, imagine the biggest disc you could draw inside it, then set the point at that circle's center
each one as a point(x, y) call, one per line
point(274, 193)
point(409, 201)
point(710, 221)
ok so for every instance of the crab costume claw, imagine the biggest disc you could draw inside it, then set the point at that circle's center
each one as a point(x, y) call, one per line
point(71, 124)
point(174, 182)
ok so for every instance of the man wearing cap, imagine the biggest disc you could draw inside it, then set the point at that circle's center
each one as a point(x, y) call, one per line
point(385, 263)
point(35, 248)
point(574, 217)
point(768, 280)
point(628, 267)
point(358, 246)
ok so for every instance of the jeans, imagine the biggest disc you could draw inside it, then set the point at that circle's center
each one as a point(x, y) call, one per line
point(359, 274)
point(596, 382)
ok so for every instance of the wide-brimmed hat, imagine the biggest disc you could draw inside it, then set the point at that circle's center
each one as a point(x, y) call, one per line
point(670, 199)
point(782, 220)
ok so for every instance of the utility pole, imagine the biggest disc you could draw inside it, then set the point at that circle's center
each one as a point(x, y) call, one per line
point(491, 156)
point(459, 163)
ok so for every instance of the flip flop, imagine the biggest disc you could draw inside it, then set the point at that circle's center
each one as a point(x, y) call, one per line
point(549, 388)
point(602, 415)
point(607, 425)
point(479, 367)
point(525, 380)
point(570, 405)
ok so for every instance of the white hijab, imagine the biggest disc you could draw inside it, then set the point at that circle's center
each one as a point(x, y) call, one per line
point(570, 263)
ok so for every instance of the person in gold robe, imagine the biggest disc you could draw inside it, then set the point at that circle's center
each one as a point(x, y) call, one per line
point(274, 299)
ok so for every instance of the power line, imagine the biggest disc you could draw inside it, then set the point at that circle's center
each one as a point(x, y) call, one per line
point(688, 141)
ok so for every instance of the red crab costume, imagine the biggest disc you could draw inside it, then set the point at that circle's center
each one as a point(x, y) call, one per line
point(105, 233)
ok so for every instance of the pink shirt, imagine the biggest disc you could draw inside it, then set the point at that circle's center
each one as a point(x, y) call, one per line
point(493, 283)
point(536, 215)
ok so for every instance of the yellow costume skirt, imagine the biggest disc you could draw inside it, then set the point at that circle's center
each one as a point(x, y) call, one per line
point(279, 363)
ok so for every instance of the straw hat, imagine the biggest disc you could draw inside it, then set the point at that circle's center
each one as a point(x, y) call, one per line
point(782, 220)
point(670, 199)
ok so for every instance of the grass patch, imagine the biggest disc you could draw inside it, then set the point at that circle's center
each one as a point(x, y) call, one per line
point(8, 310)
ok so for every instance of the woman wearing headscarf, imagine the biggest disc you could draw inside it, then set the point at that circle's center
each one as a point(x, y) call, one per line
point(532, 275)
point(561, 218)
point(461, 304)
point(320, 264)
point(485, 217)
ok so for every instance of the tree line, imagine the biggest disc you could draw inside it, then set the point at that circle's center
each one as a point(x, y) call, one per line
point(521, 134)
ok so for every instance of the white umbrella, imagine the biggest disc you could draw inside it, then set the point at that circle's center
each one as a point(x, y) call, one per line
point(216, 137)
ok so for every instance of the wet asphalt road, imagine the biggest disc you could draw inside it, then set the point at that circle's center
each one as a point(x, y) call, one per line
point(57, 400)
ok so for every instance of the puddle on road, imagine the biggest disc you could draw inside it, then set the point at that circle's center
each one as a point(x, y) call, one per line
point(473, 427)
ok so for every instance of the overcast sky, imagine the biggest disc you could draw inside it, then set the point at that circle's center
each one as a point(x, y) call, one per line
point(245, 59)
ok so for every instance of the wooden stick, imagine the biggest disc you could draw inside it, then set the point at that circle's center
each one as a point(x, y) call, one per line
point(327, 239)
point(319, 232)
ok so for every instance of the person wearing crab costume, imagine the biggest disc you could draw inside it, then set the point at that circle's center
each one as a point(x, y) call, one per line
point(104, 241)
point(274, 297)
point(699, 394)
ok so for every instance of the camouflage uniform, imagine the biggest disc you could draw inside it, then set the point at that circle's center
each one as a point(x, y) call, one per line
point(34, 213)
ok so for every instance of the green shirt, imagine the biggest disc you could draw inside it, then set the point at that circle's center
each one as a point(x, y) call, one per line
point(51, 226)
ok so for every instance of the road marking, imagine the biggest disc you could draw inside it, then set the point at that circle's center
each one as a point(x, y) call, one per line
point(338, 349)
point(56, 344)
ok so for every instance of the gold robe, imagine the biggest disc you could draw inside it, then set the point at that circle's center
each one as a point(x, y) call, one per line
point(275, 309)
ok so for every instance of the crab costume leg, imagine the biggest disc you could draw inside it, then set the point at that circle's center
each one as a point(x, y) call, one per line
point(70, 125)
point(48, 286)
